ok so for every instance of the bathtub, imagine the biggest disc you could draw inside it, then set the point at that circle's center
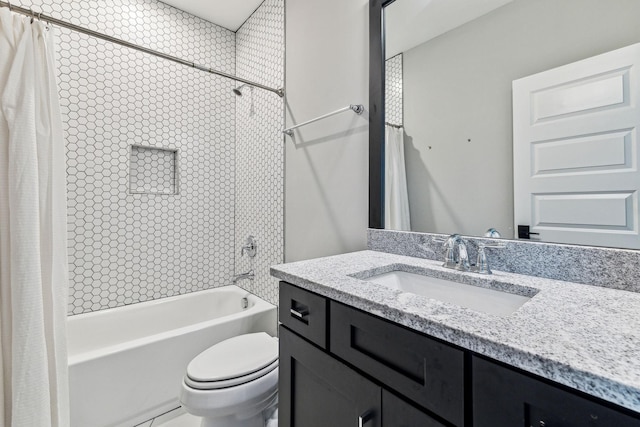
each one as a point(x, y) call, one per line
point(126, 364)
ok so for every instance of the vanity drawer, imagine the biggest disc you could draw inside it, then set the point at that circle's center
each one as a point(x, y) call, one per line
point(304, 313)
point(424, 370)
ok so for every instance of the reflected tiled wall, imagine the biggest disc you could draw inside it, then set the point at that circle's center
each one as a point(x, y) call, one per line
point(125, 248)
point(260, 146)
point(393, 90)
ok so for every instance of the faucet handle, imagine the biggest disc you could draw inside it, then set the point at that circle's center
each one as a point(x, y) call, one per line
point(482, 262)
point(463, 257)
point(250, 247)
point(493, 233)
point(448, 245)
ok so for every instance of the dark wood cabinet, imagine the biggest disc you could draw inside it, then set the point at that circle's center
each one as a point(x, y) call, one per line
point(342, 367)
point(505, 397)
point(318, 391)
point(397, 412)
point(424, 370)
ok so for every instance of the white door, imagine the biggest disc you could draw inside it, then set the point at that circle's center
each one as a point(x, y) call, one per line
point(575, 151)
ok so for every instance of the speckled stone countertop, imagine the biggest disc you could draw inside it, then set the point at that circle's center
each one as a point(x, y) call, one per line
point(582, 336)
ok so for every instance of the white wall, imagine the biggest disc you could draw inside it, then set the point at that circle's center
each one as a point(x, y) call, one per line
point(326, 163)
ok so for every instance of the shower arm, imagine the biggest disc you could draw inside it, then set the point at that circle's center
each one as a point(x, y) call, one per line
point(73, 27)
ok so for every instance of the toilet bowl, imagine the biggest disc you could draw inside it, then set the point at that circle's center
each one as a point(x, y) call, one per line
point(233, 383)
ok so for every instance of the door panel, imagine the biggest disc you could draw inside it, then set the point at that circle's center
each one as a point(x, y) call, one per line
point(608, 90)
point(610, 211)
point(575, 138)
point(586, 154)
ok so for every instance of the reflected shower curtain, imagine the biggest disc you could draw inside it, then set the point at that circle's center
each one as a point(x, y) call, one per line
point(396, 199)
point(33, 240)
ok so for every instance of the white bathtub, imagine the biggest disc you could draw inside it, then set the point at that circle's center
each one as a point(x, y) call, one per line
point(126, 363)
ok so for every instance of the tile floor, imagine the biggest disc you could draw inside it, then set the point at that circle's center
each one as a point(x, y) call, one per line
point(176, 418)
point(179, 418)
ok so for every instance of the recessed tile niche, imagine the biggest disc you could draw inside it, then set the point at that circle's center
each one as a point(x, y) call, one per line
point(153, 170)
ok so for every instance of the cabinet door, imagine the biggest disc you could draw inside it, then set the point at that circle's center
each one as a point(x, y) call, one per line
point(505, 398)
point(316, 390)
point(398, 413)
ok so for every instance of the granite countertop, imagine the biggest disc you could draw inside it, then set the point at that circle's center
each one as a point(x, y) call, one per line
point(585, 337)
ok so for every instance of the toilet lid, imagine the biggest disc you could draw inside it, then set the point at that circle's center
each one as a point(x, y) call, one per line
point(232, 382)
point(235, 357)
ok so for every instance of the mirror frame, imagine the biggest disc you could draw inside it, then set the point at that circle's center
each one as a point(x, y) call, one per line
point(376, 112)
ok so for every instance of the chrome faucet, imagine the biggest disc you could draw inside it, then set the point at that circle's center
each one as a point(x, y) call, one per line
point(456, 255)
point(249, 275)
point(482, 263)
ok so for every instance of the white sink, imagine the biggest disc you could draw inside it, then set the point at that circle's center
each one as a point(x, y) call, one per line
point(474, 297)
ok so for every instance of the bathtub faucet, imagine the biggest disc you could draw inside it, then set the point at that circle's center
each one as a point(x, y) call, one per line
point(248, 275)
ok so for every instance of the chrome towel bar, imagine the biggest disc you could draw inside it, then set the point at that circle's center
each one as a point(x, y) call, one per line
point(356, 108)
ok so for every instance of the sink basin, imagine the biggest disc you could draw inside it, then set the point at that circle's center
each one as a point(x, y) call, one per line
point(474, 297)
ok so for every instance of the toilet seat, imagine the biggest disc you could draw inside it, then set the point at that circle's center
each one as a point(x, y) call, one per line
point(233, 362)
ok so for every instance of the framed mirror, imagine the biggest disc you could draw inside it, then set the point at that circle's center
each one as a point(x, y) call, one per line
point(482, 94)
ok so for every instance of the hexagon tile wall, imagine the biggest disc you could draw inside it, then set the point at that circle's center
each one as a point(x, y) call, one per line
point(393, 83)
point(125, 248)
point(260, 146)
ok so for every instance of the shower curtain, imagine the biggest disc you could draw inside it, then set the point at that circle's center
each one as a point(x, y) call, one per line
point(33, 240)
point(396, 199)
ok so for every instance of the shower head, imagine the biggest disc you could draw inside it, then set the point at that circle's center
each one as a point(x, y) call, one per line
point(238, 90)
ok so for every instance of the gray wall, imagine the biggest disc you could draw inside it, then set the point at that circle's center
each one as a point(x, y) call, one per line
point(458, 87)
point(326, 166)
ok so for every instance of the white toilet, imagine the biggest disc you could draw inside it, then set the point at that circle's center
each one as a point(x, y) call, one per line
point(233, 383)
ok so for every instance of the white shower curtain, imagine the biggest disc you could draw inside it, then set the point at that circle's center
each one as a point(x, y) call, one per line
point(396, 199)
point(33, 240)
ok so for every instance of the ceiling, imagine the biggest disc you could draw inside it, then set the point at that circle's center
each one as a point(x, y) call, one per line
point(229, 14)
point(410, 23)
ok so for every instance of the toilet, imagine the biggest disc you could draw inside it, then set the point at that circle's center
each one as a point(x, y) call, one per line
point(233, 383)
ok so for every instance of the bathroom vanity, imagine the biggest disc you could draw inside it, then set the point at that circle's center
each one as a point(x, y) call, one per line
point(356, 352)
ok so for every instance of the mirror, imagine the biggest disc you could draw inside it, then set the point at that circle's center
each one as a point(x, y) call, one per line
point(446, 69)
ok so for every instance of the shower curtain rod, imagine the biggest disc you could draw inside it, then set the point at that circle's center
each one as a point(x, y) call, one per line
point(64, 24)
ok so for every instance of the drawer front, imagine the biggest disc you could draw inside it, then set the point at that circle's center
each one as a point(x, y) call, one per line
point(304, 313)
point(503, 397)
point(424, 370)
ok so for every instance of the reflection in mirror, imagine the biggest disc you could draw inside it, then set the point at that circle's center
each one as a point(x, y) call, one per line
point(450, 67)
